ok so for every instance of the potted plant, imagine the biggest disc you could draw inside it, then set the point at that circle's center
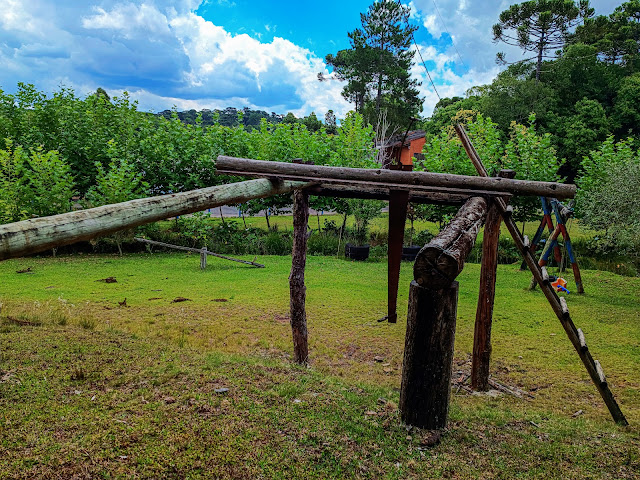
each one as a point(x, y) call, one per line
point(363, 211)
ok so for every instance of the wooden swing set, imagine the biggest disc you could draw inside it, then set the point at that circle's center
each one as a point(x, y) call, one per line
point(431, 319)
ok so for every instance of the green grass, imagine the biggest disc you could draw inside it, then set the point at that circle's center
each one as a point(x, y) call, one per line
point(91, 387)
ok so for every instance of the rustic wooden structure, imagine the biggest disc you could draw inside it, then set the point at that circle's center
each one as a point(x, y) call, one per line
point(434, 292)
point(481, 357)
point(202, 251)
point(431, 319)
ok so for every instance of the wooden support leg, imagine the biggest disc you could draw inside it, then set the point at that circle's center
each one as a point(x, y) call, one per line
point(398, 202)
point(203, 258)
point(428, 356)
point(297, 288)
point(484, 312)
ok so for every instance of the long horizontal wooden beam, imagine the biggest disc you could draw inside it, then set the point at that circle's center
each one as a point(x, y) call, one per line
point(382, 193)
point(390, 178)
point(39, 234)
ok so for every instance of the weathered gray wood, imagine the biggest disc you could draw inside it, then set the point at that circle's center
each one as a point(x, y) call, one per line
point(203, 258)
point(565, 307)
point(481, 359)
point(428, 356)
point(39, 234)
point(324, 174)
point(198, 250)
point(442, 259)
point(297, 288)
point(583, 341)
point(600, 372)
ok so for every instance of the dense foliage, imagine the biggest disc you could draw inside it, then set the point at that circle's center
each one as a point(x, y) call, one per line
point(588, 91)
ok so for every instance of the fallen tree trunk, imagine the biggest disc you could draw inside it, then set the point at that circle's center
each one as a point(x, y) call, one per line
point(324, 174)
point(442, 259)
point(39, 234)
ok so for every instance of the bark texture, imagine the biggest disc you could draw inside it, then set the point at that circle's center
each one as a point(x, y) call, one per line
point(297, 288)
point(428, 356)
point(442, 259)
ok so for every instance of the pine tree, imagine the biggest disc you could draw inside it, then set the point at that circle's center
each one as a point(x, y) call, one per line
point(377, 65)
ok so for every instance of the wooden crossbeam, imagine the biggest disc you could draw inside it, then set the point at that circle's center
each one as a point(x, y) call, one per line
point(390, 178)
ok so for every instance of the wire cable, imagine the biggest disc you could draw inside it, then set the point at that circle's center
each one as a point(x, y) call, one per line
point(446, 30)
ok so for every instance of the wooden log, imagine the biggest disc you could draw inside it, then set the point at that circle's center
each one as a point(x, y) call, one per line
point(297, 288)
point(481, 358)
point(324, 174)
point(442, 259)
point(600, 372)
point(583, 341)
point(565, 307)
point(198, 250)
point(382, 193)
point(428, 355)
point(39, 234)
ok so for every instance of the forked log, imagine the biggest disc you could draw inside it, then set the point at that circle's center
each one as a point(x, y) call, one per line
point(442, 259)
point(40, 234)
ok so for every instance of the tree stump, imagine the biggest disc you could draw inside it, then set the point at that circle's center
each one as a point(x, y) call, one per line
point(428, 355)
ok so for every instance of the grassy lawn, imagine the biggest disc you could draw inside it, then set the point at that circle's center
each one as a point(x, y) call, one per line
point(92, 385)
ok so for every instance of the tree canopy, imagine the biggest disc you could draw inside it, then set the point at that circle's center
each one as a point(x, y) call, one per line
point(376, 67)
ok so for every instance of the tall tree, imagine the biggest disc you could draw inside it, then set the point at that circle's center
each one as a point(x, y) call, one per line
point(539, 26)
point(377, 65)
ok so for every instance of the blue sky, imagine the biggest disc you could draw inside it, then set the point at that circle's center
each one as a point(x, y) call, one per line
point(219, 53)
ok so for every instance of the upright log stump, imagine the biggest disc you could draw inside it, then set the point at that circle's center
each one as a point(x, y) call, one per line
point(431, 319)
point(428, 355)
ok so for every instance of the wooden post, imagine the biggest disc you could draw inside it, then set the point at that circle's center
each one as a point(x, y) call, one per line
point(484, 312)
point(203, 258)
point(297, 288)
point(398, 202)
point(431, 320)
point(428, 355)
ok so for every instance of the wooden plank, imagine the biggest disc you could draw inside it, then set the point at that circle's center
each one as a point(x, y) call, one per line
point(197, 250)
point(40, 234)
point(320, 173)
